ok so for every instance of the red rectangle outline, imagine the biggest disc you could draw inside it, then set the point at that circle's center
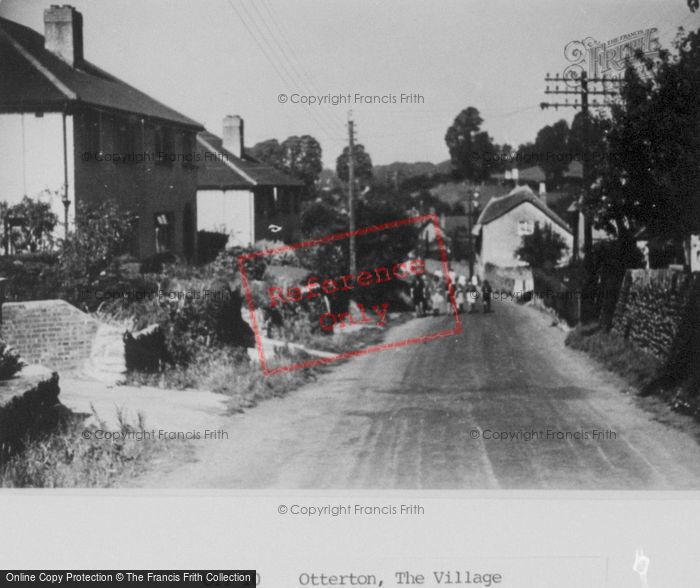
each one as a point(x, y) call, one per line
point(337, 237)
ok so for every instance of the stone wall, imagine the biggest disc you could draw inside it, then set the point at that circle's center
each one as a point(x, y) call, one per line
point(658, 310)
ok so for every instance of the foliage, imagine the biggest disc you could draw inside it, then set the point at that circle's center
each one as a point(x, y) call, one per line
point(210, 244)
point(10, 361)
point(30, 276)
point(618, 355)
point(362, 162)
point(651, 178)
point(472, 151)
point(552, 142)
point(298, 156)
point(543, 248)
point(101, 234)
point(35, 232)
point(71, 457)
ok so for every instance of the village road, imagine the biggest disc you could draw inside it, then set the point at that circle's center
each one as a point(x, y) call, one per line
point(433, 416)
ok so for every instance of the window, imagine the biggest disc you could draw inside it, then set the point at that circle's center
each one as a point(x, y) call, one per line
point(188, 146)
point(92, 125)
point(267, 202)
point(525, 228)
point(164, 232)
point(125, 140)
point(164, 145)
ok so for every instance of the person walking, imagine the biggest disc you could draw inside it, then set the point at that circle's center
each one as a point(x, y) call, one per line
point(486, 292)
point(418, 292)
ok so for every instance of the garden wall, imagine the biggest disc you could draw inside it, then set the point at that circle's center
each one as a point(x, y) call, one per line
point(57, 335)
point(659, 311)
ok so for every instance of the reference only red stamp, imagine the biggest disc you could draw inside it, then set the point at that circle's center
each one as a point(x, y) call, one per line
point(335, 300)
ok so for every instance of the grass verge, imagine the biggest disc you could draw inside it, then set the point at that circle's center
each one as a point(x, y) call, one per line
point(71, 457)
point(638, 367)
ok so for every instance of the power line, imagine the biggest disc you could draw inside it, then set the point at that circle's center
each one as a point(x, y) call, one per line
point(273, 64)
point(297, 74)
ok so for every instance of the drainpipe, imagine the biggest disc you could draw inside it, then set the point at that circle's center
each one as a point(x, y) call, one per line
point(66, 202)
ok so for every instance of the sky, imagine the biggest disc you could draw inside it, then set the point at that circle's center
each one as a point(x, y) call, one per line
point(210, 58)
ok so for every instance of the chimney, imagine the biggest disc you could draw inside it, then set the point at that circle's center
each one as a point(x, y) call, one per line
point(543, 192)
point(63, 33)
point(233, 135)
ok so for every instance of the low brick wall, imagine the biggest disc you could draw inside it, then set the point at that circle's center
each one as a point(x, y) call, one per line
point(52, 333)
point(658, 311)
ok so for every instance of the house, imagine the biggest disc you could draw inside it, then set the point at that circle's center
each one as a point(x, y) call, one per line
point(505, 220)
point(240, 196)
point(77, 134)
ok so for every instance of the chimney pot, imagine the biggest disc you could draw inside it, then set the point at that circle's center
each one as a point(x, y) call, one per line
point(63, 33)
point(233, 139)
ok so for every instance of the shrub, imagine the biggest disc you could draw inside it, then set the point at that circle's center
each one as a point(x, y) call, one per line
point(30, 276)
point(10, 361)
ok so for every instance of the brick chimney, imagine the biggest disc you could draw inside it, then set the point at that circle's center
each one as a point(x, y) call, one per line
point(233, 135)
point(63, 33)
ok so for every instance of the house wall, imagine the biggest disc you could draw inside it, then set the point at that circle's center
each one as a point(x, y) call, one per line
point(146, 187)
point(500, 237)
point(32, 163)
point(227, 211)
point(283, 214)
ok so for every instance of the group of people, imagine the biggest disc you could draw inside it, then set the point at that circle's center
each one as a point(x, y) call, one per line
point(430, 293)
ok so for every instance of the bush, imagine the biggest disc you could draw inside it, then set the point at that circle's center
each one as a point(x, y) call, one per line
point(30, 276)
point(10, 361)
point(209, 245)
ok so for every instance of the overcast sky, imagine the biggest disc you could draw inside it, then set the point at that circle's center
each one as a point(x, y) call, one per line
point(209, 58)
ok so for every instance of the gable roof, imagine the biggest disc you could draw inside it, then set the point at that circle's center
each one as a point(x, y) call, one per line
point(34, 79)
point(500, 205)
point(222, 170)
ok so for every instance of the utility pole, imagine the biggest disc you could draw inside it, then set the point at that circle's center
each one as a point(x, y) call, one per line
point(582, 91)
point(351, 192)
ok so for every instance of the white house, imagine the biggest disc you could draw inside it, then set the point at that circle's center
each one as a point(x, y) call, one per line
point(244, 198)
point(506, 219)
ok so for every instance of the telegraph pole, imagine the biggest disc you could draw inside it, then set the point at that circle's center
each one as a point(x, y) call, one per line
point(351, 192)
point(583, 91)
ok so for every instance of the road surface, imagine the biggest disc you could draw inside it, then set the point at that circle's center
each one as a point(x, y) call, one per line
point(425, 416)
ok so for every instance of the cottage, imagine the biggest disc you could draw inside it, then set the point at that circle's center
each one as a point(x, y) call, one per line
point(77, 134)
point(244, 198)
point(506, 219)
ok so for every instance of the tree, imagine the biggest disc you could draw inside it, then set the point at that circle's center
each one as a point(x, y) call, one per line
point(543, 248)
point(363, 165)
point(651, 178)
point(552, 145)
point(302, 157)
point(35, 232)
point(269, 152)
point(471, 150)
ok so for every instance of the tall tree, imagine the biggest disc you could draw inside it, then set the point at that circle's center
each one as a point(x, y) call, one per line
point(302, 158)
point(362, 161)
point(471, 149)
point(652, 177)
point(552, 145)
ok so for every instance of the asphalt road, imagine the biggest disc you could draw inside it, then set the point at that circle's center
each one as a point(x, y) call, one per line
point(427, 416)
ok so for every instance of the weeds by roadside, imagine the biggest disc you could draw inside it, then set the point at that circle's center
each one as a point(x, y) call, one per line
point(225, 371)
point(639, 368)
point(71, 457)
